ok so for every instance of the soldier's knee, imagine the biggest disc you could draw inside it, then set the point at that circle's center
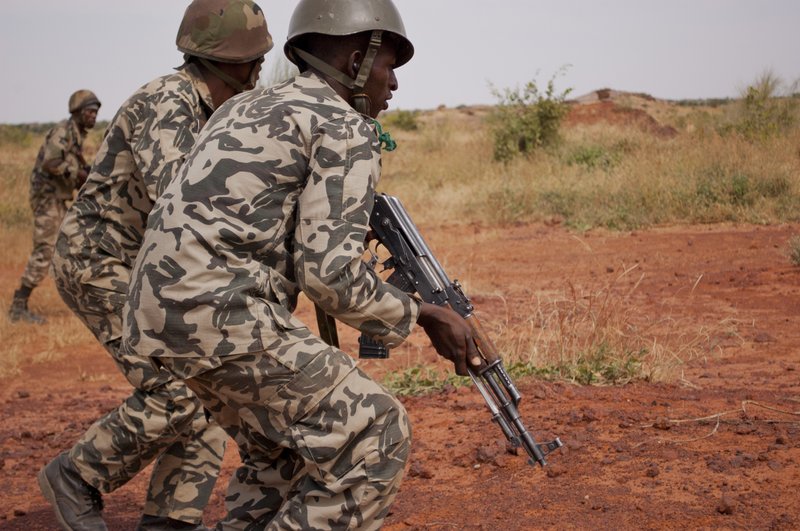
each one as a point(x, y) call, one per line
point(176, 404)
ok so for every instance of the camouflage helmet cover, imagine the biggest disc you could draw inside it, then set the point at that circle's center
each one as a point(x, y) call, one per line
point(229, 31)
point(347, 17)
point(82, 98)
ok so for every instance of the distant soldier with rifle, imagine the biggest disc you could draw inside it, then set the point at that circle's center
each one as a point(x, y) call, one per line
point(275, 199)
point(161, 421)
point(60, 169)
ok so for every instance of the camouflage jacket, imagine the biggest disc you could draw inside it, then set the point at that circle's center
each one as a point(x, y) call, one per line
point(142, 149)
point(63, 142)
point(275, 198)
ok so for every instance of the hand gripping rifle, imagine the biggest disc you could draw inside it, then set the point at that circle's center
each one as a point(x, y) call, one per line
point(415, 269)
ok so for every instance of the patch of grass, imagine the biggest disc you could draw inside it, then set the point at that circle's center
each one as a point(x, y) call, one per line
point(602, 366)
point(793, 250)
point(422, 379)
point(587, 337)
point(592, 157)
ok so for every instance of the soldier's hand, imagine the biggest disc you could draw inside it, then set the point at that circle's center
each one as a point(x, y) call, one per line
point(450, 335)
point(81, 177)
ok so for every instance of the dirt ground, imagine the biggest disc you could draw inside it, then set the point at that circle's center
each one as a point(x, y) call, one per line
point(717, 448)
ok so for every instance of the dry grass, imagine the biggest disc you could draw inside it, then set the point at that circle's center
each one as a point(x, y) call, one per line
point(24, 343)
point(599, 176)
point(599, 335)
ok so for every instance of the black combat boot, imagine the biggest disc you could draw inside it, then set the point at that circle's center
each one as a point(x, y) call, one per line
point(19, 308)
point(164, 523)
point(76, 503)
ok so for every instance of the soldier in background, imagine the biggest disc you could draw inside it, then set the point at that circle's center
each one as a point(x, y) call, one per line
point(275, 199)
point(60, 169)
point(224, 42)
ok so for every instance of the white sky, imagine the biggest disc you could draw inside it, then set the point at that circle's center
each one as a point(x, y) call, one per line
point(668, 48)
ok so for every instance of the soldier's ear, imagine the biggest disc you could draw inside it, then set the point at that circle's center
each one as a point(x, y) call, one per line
point(354, 63)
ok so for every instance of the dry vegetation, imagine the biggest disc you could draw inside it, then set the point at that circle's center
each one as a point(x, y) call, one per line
point(616, 177)
point(18, 149)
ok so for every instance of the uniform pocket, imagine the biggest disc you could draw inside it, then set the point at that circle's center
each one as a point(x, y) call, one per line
point(318, 370)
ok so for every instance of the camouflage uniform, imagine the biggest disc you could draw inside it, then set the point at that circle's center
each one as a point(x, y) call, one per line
point(50, 192)
point(274, 199)
point(99, 239)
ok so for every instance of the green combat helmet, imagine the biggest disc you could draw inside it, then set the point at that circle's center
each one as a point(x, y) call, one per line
point(228, 31)
point(347, 17)
point(82, 98)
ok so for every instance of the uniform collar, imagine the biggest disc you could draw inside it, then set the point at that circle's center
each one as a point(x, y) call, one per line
point(199, 84)
point(76, 131)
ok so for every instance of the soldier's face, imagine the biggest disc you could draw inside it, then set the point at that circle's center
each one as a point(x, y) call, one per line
point(382, 81)
point(88, 117)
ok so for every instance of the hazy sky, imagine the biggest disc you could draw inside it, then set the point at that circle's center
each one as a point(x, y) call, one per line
point(668, 48)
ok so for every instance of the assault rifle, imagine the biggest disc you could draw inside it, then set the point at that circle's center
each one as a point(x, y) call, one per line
point(415, 269)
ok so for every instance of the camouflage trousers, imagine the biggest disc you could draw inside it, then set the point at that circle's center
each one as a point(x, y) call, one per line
point(323, 446)
point(48, 211)
point(161, 420)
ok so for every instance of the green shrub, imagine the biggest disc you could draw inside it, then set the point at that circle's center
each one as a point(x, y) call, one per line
point(525, 120)
point(15, 135)
point(763, 112)
point(422, 379)
point(400, 119)
point(603, 367)
point(593, 157)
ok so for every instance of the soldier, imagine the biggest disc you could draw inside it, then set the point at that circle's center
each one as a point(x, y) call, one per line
point(60, 169)
point(224, 42)
point(275, 199)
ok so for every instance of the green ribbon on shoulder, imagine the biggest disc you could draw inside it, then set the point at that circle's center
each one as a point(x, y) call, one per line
point(386, 140)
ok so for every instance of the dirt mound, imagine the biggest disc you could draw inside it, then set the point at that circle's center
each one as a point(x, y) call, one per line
point(610, 112)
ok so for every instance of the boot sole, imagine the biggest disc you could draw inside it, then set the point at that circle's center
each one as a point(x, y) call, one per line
point(50, 495)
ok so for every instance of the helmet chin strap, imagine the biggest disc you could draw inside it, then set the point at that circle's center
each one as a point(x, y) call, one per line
point(233, 83)
point(359, 99)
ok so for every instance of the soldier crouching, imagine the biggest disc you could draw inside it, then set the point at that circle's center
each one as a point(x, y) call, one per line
point(275, 199)
point(162, 421)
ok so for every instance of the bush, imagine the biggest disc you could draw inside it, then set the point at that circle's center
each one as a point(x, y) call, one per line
point(593, 156)
point(15, 135)
point(764, 111)
point(526, 120)
point(400, 119)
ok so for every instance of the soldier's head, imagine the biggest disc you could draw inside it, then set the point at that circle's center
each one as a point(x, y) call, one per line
point(83, 106)
point(229, 38)
point(355, 44)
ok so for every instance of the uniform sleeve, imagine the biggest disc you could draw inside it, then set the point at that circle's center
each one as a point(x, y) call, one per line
point(60, 146)
point(333, 220)
point(167, 135)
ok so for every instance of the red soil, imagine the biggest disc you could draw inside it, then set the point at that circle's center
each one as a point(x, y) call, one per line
point(625, 464)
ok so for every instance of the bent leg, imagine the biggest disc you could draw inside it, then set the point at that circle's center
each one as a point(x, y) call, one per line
point(162, 419)
point(48, 212)
point(260, 485)
point(308, 398)
point(169, 422)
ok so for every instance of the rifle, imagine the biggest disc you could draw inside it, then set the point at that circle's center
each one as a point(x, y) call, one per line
point(85, 166)
point(415, 269)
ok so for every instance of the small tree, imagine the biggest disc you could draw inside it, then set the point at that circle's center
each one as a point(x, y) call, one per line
point(767, 109)
point(525, 120)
